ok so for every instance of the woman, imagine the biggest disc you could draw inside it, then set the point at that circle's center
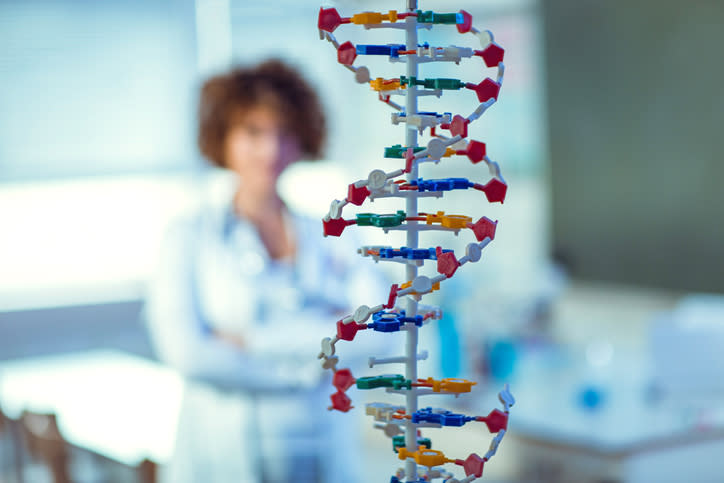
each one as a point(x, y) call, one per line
point(246, 289)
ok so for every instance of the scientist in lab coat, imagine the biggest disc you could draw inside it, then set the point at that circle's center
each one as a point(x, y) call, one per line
point(245, 290)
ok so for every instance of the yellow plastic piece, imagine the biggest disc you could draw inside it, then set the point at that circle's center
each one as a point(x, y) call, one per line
point(449, 152)
point(456, 385)
point(448, 221)
point(380, 84)
point(435, 286)
point(436, 218)
point(424, 456)
point(366, 18)
point(456, 221)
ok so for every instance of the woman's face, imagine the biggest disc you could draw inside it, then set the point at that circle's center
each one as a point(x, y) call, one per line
point(258, 147)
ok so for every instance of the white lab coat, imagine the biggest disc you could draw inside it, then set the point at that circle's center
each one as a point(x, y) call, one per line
point(260, 411)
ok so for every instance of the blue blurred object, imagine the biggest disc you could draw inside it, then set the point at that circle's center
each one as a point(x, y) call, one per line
point(502, 356)
point(449, 345)
point(591, 397)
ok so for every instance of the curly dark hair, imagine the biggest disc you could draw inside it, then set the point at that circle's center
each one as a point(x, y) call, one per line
point(273, 84)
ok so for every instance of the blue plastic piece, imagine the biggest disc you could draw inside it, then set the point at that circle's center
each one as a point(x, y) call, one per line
point(444, 184)
point(392, 50)
point(445, 418)
point(385, 325)
point(411, 253)
point(392, 321)
point(428, 113)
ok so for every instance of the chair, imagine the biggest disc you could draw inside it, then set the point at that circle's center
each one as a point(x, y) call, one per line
point(46, 444)
point(9, 436)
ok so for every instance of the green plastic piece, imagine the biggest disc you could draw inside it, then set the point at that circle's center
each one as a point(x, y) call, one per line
point(395, 381)
point(382, 221)
point(398, 151)
point(399, 442)
point(439, 18)
point(387, 220)
point(364, 219)
point(450, 84)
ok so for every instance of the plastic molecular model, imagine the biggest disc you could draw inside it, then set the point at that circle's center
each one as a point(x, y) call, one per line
point(402, 311)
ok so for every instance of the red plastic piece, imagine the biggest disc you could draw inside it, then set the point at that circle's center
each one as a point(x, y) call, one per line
point(475, 151)
point(329, 19)
point(357, 196)
point(341, 402)
point(343, 379)
point(447, 264)
point(483, 228)
point(494, 190)
point(393, 296)
point(485, 90)
point(334, 226)
point(346, 53)
point(473, 465)
point(493, 54)
point(467, 22)
point(459, 125)
point(409, 159)
point(495, 421)
point(348, 331)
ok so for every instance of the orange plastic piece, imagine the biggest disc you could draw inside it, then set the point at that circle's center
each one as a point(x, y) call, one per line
point(392, 16)
point(424, 456)
point(448, 221)
point(367, 18)
point(435, 286)
point(380, 84)
point(449, 152)
point(452, 385)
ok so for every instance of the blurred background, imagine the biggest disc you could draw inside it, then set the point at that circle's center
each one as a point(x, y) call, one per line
point(601, 300)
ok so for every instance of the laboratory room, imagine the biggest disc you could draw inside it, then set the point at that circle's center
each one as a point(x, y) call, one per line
point(361, 241)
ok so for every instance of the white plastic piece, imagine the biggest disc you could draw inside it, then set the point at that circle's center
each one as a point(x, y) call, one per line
point(455, 54)
point(494, 168)
point(362, 76)
point(391, 429)
point(373, 361)
point(422, 284)
point(327, 347)
point(330, 363)
point(376, 179)
point(501, 72)
point(506, 398)
point(362, 313)
point(438, 278)
point(335, 209)
point(436, 148)
point(459, 145)
point(485, 37)
point(473, 252)
point(332, 39)
point(494, 444)
point(480, 110)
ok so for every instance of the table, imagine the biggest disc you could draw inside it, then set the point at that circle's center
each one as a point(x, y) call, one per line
point(111, 403)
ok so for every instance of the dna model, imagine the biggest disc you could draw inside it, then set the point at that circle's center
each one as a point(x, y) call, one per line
point(403, 311)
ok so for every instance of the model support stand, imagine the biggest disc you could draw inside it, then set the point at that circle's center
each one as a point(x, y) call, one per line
point(403, 311)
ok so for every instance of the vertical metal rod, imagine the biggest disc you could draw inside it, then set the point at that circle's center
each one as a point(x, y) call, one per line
point(412, 242)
